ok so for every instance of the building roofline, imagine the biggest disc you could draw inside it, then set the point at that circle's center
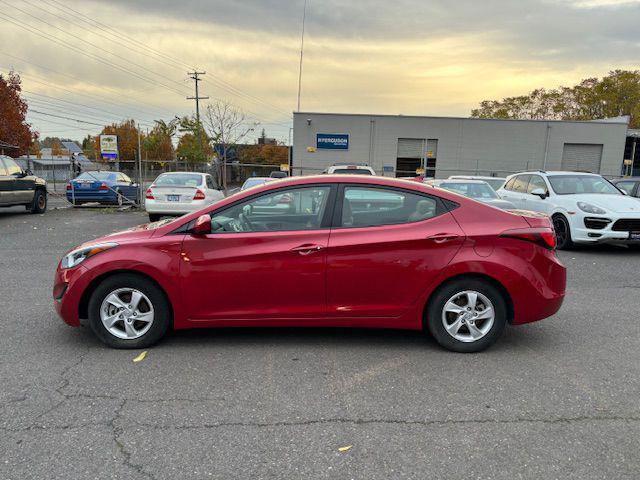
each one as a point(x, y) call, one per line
point(599, 121)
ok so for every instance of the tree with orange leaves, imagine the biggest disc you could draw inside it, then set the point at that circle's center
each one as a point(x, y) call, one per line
point(14, 128)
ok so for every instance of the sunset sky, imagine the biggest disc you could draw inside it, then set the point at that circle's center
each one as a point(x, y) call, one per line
point(428, 57)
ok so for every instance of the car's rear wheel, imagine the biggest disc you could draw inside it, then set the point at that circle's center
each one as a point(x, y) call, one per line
point(563, 232)
point(39, 204)
point(119, 198)
point(154, 217)
point(467, 315)
point(129, 311)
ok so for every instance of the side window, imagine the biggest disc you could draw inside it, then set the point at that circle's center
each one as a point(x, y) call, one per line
point(520, 183)
point(119, 177)
point(535, 182)
point(12, 167)
point(372, 207)
point(627, 187)
point(509, 184)
point(3, 170)
point(126, 178)
point(210, 182)
point(293, 209)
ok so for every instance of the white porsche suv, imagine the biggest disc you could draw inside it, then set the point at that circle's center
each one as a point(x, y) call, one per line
point(584, 207)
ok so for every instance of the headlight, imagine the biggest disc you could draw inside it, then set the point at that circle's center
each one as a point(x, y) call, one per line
point(79, 255)
point(587, 207)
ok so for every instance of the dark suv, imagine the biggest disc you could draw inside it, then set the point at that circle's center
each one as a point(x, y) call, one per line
point(18, 187)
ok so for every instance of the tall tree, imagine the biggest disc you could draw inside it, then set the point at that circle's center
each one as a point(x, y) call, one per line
point(227, 126)
point(14, 128)
point(615, 95)
point(158, 145)
point(194, 144)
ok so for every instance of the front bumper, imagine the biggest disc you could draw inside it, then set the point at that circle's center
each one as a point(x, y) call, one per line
point(68, 286)
point(607, 235)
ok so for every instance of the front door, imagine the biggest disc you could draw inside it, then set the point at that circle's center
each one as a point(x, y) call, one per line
point(265, 258)
point(6, 185)
point(387, 247)
point(23, 186)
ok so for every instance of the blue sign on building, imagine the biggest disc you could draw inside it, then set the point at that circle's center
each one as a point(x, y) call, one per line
point(332, 141)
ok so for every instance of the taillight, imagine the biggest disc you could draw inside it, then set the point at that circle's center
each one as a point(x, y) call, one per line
point(69, 186)
point(545, 237)
point(149, 195)
point(199, 195)
point(103, 186)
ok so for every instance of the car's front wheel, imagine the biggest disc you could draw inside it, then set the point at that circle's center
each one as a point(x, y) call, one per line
point(154, 217)
point(467, 315)
point(563, 232)
point(129, 311)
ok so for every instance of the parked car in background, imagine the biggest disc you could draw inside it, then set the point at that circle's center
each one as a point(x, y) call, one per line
point(494, 182)
point(477, 189)
point(584, 207)
point(278, 174)
point(177, 193)
point(349, 169)
point(366, 252)
point(105, 187)
point(255, 181)
point(20, 187)
point(629, 185)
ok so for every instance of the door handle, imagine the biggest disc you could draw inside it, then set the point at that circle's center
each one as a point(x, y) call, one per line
point(307, 249)
point(442, 237)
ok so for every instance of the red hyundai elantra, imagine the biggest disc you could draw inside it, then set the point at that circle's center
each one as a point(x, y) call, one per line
point(325, 251)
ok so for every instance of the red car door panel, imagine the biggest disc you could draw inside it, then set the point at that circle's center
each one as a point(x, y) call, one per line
point(257, 275)
point(381, 271)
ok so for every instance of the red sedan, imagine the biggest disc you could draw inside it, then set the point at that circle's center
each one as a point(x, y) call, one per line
point(325, 251)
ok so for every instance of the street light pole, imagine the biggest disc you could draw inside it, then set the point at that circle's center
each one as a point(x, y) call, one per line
point(304, 16)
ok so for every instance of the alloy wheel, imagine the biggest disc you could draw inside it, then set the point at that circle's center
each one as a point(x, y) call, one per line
point(468, 316)
point(560, 228)
point(127, 313)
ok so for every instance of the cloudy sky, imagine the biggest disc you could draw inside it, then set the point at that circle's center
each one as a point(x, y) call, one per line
point(100, 61)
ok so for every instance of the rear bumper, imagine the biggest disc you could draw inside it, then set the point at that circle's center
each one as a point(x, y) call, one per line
point(103, 196)
point(173, 208)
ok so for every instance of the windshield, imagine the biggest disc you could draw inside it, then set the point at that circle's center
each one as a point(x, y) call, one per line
point(572, 184)
point(252, 182)
point(353, 171)
point(471, 190)
point(179, 180)
point(495, 184)
point(101, 176)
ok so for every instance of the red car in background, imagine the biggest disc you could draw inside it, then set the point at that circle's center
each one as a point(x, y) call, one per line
point(328, 251)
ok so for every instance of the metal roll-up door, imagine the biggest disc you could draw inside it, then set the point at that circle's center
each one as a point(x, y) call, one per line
point(411, 147)
point(585, 157)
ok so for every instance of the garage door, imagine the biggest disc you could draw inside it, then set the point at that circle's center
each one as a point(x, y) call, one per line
point(584, 157)
point(410, 147)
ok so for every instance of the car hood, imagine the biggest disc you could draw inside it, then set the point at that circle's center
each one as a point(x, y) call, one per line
point(612, 203)
point(139, 232)
point(496, 202)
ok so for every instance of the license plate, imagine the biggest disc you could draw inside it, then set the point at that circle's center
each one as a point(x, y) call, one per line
point(85, 185)
point(634, 236)
point(173, 198)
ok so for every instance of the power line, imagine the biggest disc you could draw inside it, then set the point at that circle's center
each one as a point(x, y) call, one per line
point(67, 118)
point(41, 33)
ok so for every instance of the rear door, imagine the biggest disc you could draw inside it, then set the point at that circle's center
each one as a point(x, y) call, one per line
point(516, 191)
point(385, 249)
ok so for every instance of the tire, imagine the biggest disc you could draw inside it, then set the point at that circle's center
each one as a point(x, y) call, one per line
point(39, 204)
point(440, 311)
point(563, 232)
point(153, 306)
point(154, 217)
point(119, 198)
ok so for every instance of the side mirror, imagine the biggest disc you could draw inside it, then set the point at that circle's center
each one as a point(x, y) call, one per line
point(202, 225)
point(539, 192)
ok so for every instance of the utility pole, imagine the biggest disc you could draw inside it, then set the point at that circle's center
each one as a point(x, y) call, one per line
point(140, 179)
point(304, 16)
point(195, 75)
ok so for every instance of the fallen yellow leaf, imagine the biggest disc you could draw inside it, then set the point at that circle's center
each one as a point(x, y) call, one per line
point(345, 449)
point(140, 357)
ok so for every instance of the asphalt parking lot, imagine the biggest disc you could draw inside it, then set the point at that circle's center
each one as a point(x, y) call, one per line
point(556, 399)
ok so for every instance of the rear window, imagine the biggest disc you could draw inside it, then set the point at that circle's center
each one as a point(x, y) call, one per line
point(179, 180)
point(472, 190)
point(100, 176)
point(353, 171)
point(252, 182)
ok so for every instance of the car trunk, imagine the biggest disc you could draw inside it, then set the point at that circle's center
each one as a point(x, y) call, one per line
point(174, 193)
